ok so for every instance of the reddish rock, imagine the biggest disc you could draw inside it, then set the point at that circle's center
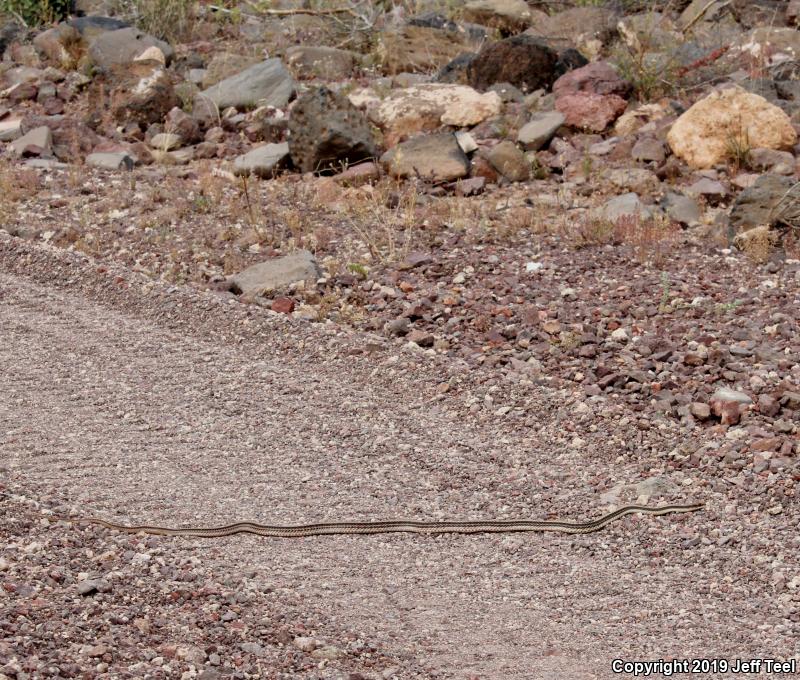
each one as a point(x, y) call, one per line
point(768, 405)
point(700, 410)
point(283, 305)
point(596, 78)
point(767, 444)
point(421, 338)
point(592, 112)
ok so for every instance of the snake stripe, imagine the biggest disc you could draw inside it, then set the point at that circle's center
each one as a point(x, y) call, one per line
point(392, 526)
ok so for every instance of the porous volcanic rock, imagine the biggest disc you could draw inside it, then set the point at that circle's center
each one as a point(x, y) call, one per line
point(524, 61)
point(327, 131)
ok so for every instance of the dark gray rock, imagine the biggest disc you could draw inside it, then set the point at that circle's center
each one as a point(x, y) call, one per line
point(267, 83)
point(326, 131)
point(276, 273)
point(524, 61)
point(456, 70)
point(116, 48)
point(434, 158)
point(755, 206)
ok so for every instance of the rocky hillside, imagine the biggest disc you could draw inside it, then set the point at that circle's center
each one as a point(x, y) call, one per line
point(591, 194)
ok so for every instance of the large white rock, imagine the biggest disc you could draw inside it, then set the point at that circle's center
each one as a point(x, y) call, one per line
point(427, 107)
point(704, 135)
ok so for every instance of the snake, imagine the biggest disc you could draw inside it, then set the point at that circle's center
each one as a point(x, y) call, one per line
point(392, 526)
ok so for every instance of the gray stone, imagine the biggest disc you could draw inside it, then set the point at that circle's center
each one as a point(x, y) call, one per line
point(638, 180)
point(36, 142)
point(326, 131)
point(539, 130)
point(434, 158)
point(115, 48)
point(707, 187)
point(327, 63)
point(265, 84)
point(276, 273)
point(509, 161)
point(119, 160)
point(772, 160)
point(648, 149)
point(681, 208)
point(755, 206)
point(10, 129)
point(626, 204)
point(263, 161)
point(166, 141)
point(727, 394)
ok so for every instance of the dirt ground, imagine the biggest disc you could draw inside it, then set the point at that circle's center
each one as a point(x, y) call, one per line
point(144, 402)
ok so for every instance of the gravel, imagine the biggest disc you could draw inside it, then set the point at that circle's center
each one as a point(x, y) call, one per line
point(146, 402)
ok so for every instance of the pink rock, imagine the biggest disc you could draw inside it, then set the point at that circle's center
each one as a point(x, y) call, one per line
point(596, 78)
point(591, 111)
point(283, 305)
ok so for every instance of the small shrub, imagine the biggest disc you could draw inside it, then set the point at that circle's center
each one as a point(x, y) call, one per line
point(165, 19)
point(36, 12)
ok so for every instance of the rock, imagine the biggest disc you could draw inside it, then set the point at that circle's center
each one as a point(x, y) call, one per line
point(709, 188)
point(524, 61)
point(700, 410)
point(37, 142)
point(433, 158)
point(419, 49)
point(166, 141)
point(507, 93)
point(52, 44)
point(356, 175)
point(580, 27)
point(756, 206)
point(267, 83)
point(139, 92)
point(305, 644)
point(772, 43)
point(282, 305)
point(10, 129)
point(263, 161)
point(510, 162)
point(681, 208)
point(704, 134)
point(181, 123)
point(90, 27)
point(120, 47)
point(327, 63)
point(636, 180)
point(224, 65)
point(427, 107)
point(700, 10)
point(626, 204)
point(631, 121)
point(595, 78)
point(326, 130)
point(648, 149)
point(727, 404)
point(153, 54)
point(92, 586)
point(119, 160)
point(592, 112)
point(770, 160)
point(768, 405)
point(276, 273)
point(539, 130)
point(649, 32)
point(508, 16)
point(455, 71)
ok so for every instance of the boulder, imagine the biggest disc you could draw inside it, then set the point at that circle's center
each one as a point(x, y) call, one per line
point(110, 160)
point(224, 65)
point(507, 16)
point(598, 77)
point(575, 27)
point(120, 47)
point(757, 205)
point(326, 132)
point(140, 92)
point(539, 130)
point(704, 135)
point(524, 61)
point(434, 158)
point(267, 83)
point(682, 209)
point(427, 107)
point(37, 142)
point(592, 112)
point(53, 44)
point(326, 63)
point(276, 273)
point(263, 161)
point(510, 162)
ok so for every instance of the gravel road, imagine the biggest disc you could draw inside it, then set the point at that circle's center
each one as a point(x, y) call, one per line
point(145, 403)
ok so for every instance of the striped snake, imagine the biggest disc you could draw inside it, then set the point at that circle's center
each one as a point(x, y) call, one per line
point(390, 526)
